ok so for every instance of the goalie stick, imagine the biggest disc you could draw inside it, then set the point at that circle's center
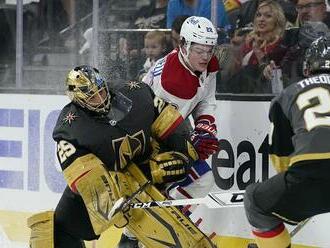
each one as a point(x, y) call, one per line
point(212, 200)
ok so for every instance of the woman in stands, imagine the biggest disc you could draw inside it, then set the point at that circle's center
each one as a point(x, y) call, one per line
point(262, 46)
point(264, 42)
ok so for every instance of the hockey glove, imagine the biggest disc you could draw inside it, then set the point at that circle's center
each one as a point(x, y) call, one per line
point(168, 167)
point(204, 138)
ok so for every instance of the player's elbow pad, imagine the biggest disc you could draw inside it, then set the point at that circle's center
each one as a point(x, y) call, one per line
point(167, 121)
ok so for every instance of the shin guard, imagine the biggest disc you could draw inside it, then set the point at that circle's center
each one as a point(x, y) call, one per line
point(163, 226)
point(275, 238)
point(42, 230)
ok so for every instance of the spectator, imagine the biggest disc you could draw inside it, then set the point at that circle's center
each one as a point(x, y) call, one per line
point(61, 21)
point(151, 16)
point(239, 35)
point(196, 8)
point(312, 11)
point(229, 59)
point(248, 9)
point(292, 63)
point(263, 44)
point(264, 41)
point(176, 29)
point(311, 24)
point(232, 8)
point(155, 48)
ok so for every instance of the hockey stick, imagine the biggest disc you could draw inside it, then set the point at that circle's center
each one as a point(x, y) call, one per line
point(212, 200)
point(299, 226)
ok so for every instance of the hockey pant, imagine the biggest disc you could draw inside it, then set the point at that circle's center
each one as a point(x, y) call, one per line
point(199, 183)
point(291, 197)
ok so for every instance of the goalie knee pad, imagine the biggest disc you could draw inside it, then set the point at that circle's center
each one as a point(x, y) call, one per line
point(99, 190)
point(162, 227)
point(42, 230)
point(278, 237)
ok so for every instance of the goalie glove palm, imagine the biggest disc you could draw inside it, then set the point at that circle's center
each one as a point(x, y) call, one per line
point(168, 167)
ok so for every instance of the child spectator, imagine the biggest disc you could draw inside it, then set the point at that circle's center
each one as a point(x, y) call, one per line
point(154, 48)
point(151, 16)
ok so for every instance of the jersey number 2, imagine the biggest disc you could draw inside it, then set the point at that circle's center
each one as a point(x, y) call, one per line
point(314, 114)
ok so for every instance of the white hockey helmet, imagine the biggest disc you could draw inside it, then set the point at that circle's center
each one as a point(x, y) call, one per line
point(199, 30)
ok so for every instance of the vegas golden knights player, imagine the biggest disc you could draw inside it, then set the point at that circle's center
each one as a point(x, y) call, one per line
point(103, 145)
point(300, 152)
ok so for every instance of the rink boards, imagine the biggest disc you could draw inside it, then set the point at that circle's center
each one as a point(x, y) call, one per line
point(31, 181)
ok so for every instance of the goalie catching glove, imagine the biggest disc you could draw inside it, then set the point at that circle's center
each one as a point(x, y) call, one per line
point(204, 138)
point(168, 167)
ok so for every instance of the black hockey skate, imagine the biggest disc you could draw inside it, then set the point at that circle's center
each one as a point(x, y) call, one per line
point(127, 242)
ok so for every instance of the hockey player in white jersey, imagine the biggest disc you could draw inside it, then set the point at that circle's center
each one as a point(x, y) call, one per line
point(186, 77)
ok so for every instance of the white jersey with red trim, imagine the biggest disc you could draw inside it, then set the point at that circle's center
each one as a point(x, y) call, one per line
point(173, 81)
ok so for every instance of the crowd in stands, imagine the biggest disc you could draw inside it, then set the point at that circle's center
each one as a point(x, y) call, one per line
point(255, 36)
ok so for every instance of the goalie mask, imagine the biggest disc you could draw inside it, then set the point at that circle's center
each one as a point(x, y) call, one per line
point(86, 87)
point(317, 56)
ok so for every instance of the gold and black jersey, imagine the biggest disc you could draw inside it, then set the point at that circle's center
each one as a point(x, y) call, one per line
point(79, 131)
point(300, 122)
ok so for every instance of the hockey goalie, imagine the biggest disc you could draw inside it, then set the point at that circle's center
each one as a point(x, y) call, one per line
point(104, 148)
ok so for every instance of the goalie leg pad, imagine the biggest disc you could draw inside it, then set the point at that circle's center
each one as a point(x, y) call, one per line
point(99, 189)
point(42, 230)
point(162, 227)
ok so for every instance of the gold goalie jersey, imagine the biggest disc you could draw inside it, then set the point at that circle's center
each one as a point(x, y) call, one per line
point(302, 134)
